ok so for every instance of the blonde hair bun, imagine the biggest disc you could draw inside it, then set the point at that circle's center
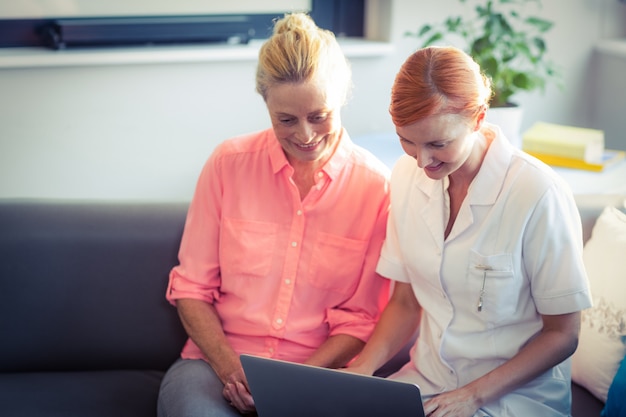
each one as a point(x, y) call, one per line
point(300, 51)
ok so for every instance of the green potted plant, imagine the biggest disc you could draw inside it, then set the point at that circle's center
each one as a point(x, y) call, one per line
point(508, 46)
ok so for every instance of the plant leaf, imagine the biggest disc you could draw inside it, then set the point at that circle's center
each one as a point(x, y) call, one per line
point(425, 29)
point(541, 24)
point(434, 38)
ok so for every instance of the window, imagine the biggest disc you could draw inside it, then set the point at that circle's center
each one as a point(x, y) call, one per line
point(85, 23)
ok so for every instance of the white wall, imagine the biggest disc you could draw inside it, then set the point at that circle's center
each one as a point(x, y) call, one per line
point(130, 132)
point(143, 131)
point(607, 109)
point(89, 8)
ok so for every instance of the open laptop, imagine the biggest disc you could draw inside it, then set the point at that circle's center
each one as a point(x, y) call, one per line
point(286, 389)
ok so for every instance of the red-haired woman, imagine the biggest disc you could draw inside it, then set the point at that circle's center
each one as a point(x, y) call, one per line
point(484, 244)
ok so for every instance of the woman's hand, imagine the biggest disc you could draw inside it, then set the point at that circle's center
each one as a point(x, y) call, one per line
point(459, 403)
point(204, 326)
point(237, 392)
point(356, 370)
point(555, 343)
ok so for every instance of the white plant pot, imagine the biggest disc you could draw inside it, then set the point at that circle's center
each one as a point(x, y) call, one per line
point(509, 119)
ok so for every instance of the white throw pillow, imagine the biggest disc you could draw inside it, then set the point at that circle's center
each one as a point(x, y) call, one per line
point(602, 343)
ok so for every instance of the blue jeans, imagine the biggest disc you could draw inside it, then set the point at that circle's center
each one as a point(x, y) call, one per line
point(191, 388)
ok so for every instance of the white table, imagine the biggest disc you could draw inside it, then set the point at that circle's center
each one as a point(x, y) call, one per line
point(610, 181)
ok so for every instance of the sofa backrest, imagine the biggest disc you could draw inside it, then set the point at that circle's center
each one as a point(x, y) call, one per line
point(83, 285)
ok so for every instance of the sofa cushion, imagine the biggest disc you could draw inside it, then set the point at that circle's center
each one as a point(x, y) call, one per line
point(84, 284)
point(603, 334)
point(77, 394)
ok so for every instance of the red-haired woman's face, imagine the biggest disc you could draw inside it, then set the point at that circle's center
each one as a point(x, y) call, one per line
point(441, 144)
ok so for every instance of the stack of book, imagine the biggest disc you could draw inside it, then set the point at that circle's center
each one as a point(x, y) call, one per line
point(569, 147)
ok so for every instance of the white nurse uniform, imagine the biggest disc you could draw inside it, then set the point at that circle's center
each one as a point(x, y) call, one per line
point(514, 253)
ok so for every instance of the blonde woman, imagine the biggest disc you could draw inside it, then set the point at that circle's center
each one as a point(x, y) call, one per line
point(282, 236)
point(484, 244)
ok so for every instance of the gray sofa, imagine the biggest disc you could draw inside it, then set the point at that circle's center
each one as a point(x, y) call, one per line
point(85, 327)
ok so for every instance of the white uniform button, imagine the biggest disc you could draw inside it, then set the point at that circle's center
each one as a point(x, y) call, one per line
point(279, 321)
point(320, 174)
point(288, 281)
point(299, 212)
point(294, 244)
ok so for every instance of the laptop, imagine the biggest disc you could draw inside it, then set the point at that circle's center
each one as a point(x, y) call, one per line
point(286, 389)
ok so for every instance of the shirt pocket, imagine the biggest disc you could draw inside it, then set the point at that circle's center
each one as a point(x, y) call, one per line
point(492, 280)
point(337, 262)
point(247, 247)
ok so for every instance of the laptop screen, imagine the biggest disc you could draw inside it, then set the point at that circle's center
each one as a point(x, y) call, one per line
point(286, 389)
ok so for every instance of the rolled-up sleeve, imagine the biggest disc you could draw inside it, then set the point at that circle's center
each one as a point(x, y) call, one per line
point(198, 274)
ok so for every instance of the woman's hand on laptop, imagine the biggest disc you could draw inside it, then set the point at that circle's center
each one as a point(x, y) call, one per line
point(237, 392)
point(459, 402)
point(356, 370)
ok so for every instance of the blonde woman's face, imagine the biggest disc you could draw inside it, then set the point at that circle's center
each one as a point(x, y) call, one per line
point(307, 126)
point(440, 144)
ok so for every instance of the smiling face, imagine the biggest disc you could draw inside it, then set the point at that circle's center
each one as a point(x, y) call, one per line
point(441, 143)
point(306, 124)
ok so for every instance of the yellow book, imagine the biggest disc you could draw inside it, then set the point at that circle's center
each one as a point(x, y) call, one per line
point(609, 157)
point(564, 141)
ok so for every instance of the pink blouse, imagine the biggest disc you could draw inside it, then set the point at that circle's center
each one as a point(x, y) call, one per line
point(284, 274)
